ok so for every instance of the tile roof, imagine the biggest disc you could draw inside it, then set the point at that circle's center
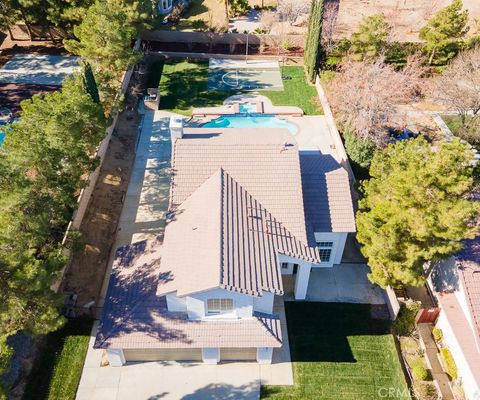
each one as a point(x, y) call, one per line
point(236, 238)
point(263, 161)
point(135, 317)
point(326, 194)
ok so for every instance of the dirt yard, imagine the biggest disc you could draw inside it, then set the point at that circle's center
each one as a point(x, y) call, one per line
point(407, 16)
point(86, 272)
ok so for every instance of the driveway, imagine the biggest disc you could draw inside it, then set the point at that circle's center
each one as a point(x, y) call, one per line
point(343, 283)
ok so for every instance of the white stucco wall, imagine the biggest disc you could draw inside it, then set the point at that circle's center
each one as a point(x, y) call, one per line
point(176, 304)
point(301, 280)
point(264, 303)
point(196, 304)
point(264, 355)
point(116, 357)
point(470, 386)
point(211, 355)
point(338, 239)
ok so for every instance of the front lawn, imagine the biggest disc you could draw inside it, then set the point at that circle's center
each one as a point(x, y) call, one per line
point(339, 353)
point(57, 370)
point(184, 86)
point(297, 92)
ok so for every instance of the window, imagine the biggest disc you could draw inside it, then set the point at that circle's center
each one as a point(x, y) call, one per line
point(325, 250)
point(284, 265)
point(219, 306)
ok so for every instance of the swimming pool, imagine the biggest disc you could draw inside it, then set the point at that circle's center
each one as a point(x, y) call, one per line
point(250, 121)
point(246, 108)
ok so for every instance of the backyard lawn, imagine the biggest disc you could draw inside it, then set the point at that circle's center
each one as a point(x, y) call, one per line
point(296, 92)
point(57, 370)
point(184, 85)
point(339, 352)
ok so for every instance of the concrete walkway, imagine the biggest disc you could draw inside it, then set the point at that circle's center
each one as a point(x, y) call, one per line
point(344, 283)
point(431, 355)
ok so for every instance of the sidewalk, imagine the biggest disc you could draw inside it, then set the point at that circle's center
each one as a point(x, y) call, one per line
point(431, 355)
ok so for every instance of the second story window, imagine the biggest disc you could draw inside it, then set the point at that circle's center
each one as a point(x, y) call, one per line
point(219, 306)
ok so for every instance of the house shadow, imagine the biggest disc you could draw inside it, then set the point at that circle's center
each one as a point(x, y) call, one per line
point(319, 332)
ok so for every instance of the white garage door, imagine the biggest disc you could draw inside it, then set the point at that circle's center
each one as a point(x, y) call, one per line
point(163, 354)
point(238, 354)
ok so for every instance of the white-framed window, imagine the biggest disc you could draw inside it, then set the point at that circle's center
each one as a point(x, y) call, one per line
point(219, 306)
point(284, 265)
point(325, 250)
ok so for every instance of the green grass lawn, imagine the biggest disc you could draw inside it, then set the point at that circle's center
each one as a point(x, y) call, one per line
point(56, 372)
point(339, 353)
point(297, 92)
point(184, 85)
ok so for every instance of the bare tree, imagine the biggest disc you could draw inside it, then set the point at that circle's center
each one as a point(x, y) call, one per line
point(267, 19)
point(290, 10)
point(458, 87)
point(365, 95)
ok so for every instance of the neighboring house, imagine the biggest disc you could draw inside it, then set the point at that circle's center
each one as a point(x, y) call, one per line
point(245, 209)
point(456, 284)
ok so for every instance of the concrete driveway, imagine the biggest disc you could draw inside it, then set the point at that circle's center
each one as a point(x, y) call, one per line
point(343, 283)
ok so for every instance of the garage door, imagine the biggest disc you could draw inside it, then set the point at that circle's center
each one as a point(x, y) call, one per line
point(163, 354)
point(238, 354)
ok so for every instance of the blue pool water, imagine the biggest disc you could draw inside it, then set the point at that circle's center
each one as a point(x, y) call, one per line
point(247, 108)
point(250, 121)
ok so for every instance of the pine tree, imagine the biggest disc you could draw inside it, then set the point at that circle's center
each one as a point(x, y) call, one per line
point(104, 41)
point(415, 209)
point(371, 36)
point(443, 32)
point(313, 46)
point(41, 170)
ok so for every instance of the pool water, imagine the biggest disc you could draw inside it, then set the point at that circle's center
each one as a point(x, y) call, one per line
point(246, 108)
point(250, 121)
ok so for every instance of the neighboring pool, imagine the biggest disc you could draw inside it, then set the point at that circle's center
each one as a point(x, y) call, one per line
point(250, 121)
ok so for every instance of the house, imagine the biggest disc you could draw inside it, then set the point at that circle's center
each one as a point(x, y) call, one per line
point(456, 285)
point(246, 210)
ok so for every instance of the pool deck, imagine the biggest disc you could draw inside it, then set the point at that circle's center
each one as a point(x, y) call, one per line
point(232, 106)
point(314, 134)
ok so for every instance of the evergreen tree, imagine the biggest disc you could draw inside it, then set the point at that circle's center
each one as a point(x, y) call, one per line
point(443, 32)
point(104, 40)
point(371, 36)
point(415, 209)
point(313, 46)
point(43, 163)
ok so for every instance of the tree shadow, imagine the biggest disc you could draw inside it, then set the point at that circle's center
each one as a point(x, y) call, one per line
point(223, 391)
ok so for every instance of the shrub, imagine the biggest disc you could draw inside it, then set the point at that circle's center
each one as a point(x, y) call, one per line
point(199, 25)
point(360, 152)
point(449, 363)
point(420, 373)
point(425, 391)
point(437, 334)
point(287, 45)
point(405, 322)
